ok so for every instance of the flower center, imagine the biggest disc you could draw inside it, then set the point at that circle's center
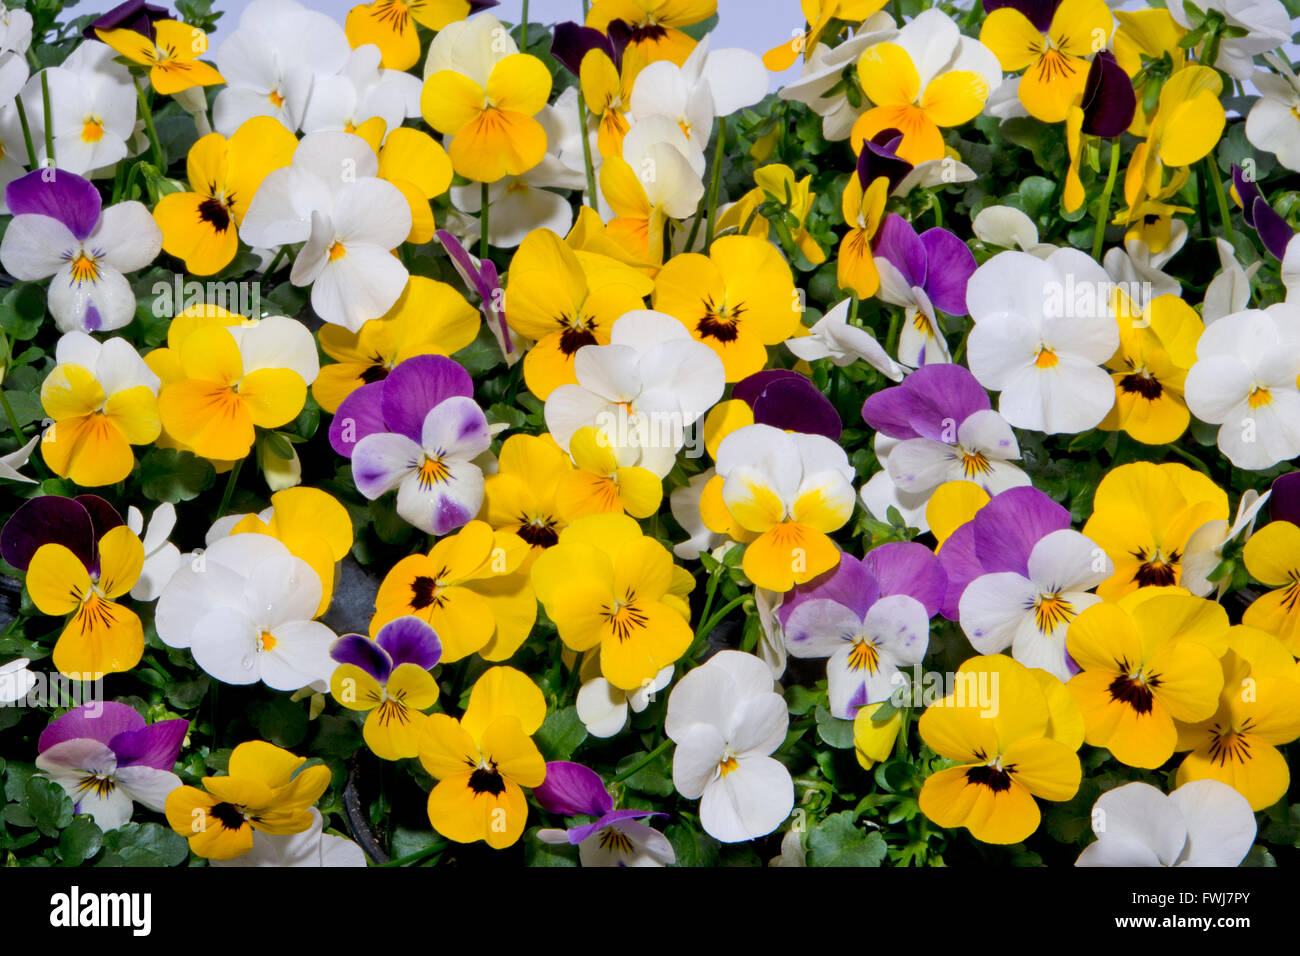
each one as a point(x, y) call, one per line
point(1046, 358)
point(624, 618)
point(92, 129)
point(432, 471)
point(720, 322)
point(864, 656)
point(616, 841)
point(1134, 687)
point(277, 100)
point(1259, 396)
point(727, 764)
point(337, 251)
point(228, 815)
point(1228, 743)
point(1156, 570)
point(1052, 610)
point(974, 463)
point(85, 268)
point(101, 783)
point(1143, 384)
point(266, 641)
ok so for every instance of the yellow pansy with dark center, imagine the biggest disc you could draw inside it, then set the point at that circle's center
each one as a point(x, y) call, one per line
point(424, 592)
point(1143, 384)
point(228, 815)
point(720, 322)
point(995, 778)
point(1133, 690)
point(1156, 570)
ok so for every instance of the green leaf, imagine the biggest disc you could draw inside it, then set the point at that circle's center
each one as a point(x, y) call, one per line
point(836, 841)
point(167, 474)
point(655, 778)
point(800, 699)
point(143, 844)
point(21, 311)
point(691, 847)
point(281, 721)
point(833, 731)
point(186, 695)
point(80, 841)
point(560, 734)
point(49, 805)
point(537, 853)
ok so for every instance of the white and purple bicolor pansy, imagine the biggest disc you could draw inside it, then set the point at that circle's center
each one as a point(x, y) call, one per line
point(481, 276)
point(106, 758)
point(946, 431)
point(615, 837)
point(924, 274)
point(60, 230)
point(76, 523)
point(1000, 537)
point(787, 400)
point(403, 640)
point(869, 617)
point(417, 432)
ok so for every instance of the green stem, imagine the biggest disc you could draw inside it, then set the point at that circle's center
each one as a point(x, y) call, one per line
point(523, 27)
point(18, 432)
point(27, 131)
point(147, 113)
point(644, 762)
point(1203, 204)
point(49, 122)
point(586, 152)
point(431, 850)
point(1103, 204)
point(275, 260)
point(707, 625)
point(230, 488)
point(714, 182)
point(1216, 181)
point(483, 223)
point(1190, 459)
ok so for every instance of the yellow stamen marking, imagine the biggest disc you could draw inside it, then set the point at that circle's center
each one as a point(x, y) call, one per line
point(337, 251)
point(84, 269)
point(974, 463)
point(277, 100)
point(1051, 610)
point(92, 130)
point(266, 641)
point(1046, 358)
point(1259, 396)
point(864, 657)
point(431, 472)
point(727, 765)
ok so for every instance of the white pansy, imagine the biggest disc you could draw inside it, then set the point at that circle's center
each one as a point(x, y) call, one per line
point(161, 557)
point(834, 338)
point(603, 708)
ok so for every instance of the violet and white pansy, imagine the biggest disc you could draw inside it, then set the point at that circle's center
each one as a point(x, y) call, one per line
point(61, 232)
point(613, 837)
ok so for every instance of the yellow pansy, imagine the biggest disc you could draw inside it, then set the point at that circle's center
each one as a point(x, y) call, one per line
point(391, 26)
point(522, 497)
point(420, 168)
point(599, 485)
point(863, 212)
point(607, 91)
point(200, 226)
point(655, 25)
point(1272, 556)
point(818, 14)
point(172, 55)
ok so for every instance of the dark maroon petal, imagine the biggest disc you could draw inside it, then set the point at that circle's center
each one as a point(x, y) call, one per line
point(960, 567)
point(1038, 12)
point(570, 789)
point(572, 42)
point(103, 516)
point(359, 415)
point(1274, 231)
point(133, 15)
point(66, 197)
point(410, 640)
point(49, 519)
point(101, 721)
point(879, 158)
point(949, 266)
point(476, 6)
point(361, 651)
point(1008, 527)
point(890, 411)
point(905, 567)
point(1108, 98)
point(416, 387)
point(157, 745)
point(849, 583)
point(1247, 192)
point(898, 242)
point(1284, 503)
point(943, 396)
point(580, 834)
point(749, 388)
point(797, 405)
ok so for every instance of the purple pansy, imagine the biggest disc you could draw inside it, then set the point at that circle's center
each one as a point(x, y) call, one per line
point(1108, 98)
point(946, 431)
point(1273, 230)
point(924, 274)
point(879, 157)
point(403, 640)
point(870, 618)
point(788, 400)
point(61, 232)
point(106, 757)
point(1000, 537)
point(573, 41)
point(615, 838)
point(482, 278)
point(417, 432)
point(76, 523)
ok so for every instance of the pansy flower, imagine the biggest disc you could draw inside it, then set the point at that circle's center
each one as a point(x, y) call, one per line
point(80, 558)
point(417, 432)
point(311, 847)
point(653, 27)
point(363, 97)
point(870, 617)
point(1187, 123)
point(201, 226)
point(789, 491)
point(727, 720)
point(924, 275)
point(1202, 823)
point(102, 399)
point(388, 678)
point(231, 379)
point(171, 51)
point(1156, 348)
point(245, 610)
point(61, 232)
point(523, 495)
point(483, 761)
point(1051, 43)
point(430, 318)
point(106, 759)
point(1014, 738)
point(1105, 109)
point(863, 208)
point(267, 789)
point(391, 25)
point(605, 74)
point(1258, 712)
point(1272, 557)
point(483, 93)
point(92, 111)
point(1143, 516)
point(834, 337)
point(737, 300)
point(563, 301)
point(1146, 661)
point(469, 588)
point(605, 584)
point(613, 837)
point(927, 78)
point(819, 14)
point(1042, 328)
point(604, 708)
